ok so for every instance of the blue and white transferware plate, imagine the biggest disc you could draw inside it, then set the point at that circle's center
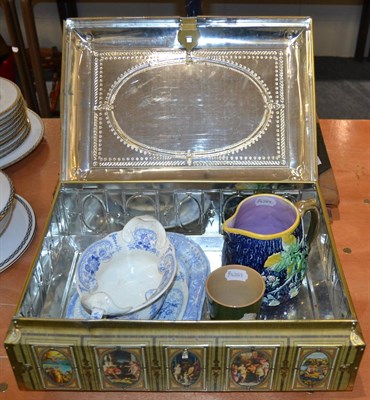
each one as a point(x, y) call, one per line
point(176, 301)
point(128, 272)
point(191, 255)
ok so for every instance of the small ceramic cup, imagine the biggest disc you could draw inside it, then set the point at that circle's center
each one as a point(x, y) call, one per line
point(234, 292)
point(266, 233)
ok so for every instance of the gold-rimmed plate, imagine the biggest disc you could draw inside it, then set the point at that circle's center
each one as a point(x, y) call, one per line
point(14, 130)
point(10, 95)
point(18, 110)
point(16, 141)
point(32, 140)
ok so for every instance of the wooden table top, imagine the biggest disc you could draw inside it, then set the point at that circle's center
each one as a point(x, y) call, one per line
point(348, 145)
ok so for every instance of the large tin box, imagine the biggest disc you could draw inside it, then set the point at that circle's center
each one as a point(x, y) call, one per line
point(181, 119)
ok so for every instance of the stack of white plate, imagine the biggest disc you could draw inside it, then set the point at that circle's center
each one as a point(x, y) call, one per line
point(21, 130)
point(17, 223)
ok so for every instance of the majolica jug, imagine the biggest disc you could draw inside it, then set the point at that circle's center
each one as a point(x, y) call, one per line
point(266, 233)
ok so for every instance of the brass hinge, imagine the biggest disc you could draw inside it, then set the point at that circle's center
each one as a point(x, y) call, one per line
point(349, 367)
point(22, 367)
point(188, 35)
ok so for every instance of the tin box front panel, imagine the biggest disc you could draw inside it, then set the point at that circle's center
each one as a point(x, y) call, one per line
point(216, 356)
point(188, 98)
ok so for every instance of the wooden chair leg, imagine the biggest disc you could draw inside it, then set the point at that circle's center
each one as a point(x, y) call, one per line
point(19, 52)
point(35, 57)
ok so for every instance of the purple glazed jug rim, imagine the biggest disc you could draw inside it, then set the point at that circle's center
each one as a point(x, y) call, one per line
point(229, 227)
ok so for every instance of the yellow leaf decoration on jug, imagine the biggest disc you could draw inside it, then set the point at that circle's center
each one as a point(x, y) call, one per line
point(288, 240)
point(273, 260)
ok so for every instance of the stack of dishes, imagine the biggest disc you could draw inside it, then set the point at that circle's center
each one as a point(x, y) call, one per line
point(21, 130)
point(17, 223)
point(186, 297)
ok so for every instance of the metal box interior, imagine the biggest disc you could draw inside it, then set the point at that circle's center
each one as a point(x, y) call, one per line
point(182, 119)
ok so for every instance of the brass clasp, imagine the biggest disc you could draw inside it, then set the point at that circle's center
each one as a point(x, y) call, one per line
point(188, 35)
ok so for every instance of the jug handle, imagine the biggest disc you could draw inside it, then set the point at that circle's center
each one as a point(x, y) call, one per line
point(310, 206)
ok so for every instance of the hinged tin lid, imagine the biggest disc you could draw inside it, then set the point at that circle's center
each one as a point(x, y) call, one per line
point(194, 99)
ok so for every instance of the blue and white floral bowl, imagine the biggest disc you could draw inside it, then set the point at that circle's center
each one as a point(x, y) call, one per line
point(128, 272)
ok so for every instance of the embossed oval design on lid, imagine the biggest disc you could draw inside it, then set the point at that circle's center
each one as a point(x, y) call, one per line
point(198, 108)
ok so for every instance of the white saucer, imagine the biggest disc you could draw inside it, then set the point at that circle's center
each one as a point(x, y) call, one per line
point(18, 234)
point(29, 144)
